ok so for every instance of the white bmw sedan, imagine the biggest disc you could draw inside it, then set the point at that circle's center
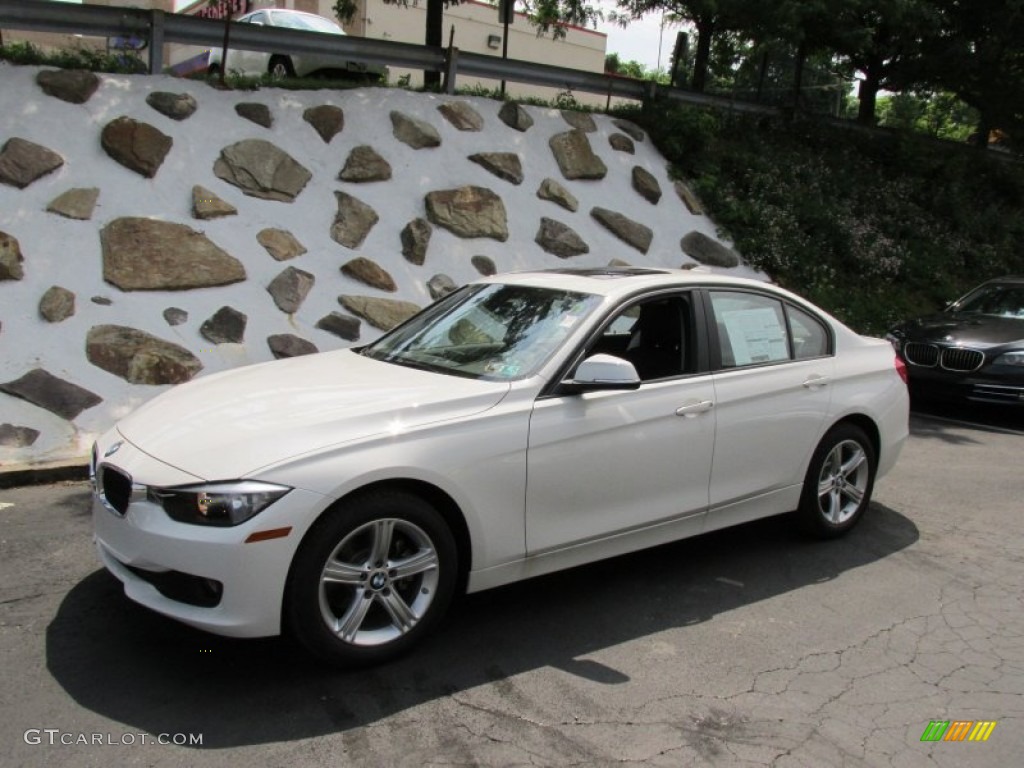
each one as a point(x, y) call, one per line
point(523, 424)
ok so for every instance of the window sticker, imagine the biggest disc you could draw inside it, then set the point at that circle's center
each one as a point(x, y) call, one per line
point(756, 335)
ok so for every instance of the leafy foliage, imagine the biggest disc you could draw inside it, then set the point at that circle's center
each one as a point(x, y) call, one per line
point(125, 62)
point(873, 227)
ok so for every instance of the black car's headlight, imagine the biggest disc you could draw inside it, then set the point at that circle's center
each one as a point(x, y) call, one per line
point(1011, 358)
point(896, 341)
point(218, 504)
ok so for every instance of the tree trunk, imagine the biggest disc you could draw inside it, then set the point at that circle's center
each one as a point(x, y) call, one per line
point(762, 75)
point(705, 29)
point(798, 73)
point(980, 138)
point(867, 94)
point(434, 37)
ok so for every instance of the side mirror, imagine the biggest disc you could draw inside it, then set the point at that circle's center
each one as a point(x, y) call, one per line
point(602, 372)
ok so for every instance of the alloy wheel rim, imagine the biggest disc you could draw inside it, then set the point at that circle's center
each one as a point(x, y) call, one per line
point(379, 582)
point(843, 482)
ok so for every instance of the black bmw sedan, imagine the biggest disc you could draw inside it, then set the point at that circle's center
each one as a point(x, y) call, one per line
point(973, 350)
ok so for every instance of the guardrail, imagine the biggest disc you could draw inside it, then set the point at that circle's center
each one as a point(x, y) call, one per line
point(158, 27)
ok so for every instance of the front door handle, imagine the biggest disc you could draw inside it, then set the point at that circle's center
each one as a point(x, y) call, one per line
point(692, 409)
point(814, 381)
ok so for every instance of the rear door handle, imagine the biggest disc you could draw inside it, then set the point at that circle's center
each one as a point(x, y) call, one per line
point(814, 381)
point(690, 410)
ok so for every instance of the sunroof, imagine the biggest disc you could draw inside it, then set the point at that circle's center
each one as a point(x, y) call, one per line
point(608, 272)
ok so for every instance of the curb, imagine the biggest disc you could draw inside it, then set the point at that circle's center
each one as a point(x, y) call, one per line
point(42, 474)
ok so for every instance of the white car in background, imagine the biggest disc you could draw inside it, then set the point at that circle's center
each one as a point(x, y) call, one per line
point(521, 425)
point(284, 64)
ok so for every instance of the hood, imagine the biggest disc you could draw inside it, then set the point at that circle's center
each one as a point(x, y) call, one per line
point(228, 425)
point(964, 329)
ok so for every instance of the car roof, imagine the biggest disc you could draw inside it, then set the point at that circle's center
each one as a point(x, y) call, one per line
point(623, 281)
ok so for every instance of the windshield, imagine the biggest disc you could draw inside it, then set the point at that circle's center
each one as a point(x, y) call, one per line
point(493, 332)
point(1002, 299)
point(306, 22)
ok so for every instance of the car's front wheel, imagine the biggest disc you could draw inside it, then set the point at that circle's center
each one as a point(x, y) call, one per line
point(371, 578)
point(839, 481)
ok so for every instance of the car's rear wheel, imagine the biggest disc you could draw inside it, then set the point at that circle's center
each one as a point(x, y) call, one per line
point(280, 67)
point(371, 578)
point(213, 71)
point(839, 481)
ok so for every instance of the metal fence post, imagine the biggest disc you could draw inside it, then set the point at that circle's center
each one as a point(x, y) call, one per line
point(156, 43)
point(451, 65)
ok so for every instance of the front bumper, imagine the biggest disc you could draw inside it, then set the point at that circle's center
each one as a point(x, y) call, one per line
point(947, 385)
point(209, 578)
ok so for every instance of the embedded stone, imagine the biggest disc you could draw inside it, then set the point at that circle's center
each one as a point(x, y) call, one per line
point(103, 301)
point(551, 190)
point(75, 203)
point(622, 143)
point(418, 134)
point(624, 228)
point(353, 221)
point(74, 86)
point(151, 255)
point(364, 164)
point(139, 357)
point(177, 106)
point(342, 326)
point(290, 288)
point(369, 272)
point(289, 345)
point(280, 244)
point(57, 304)
point(137, 146)
point(619, 263)
point(462, 116)
point(415, 238)
point(175, 315)
point(582, 121)
point(260, 169)
point(504, 165)
point(17, 437)
point(10, 258)
point(468, 212)
point(225, 326)
point(22, 162)
point(441, 285)
point(634, 131)
point(206, 205)
point(384, 314)
point(256, 113)
point(575, 157)
point(45, 390)
point(645, 183)
point(709, 251)
point(327, 120)
point(558, 239)
point(484, 265)
point(689, 198)
point(514, 116)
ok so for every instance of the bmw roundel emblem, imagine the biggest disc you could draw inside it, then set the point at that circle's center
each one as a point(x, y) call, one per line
point(113, 449)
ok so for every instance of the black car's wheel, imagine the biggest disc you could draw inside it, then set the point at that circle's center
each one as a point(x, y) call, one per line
point(280, 67)
point(837, 488)
point(371, 578)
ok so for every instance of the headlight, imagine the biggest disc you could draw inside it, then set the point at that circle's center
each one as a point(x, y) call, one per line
point(219, 504)
point(895, 340)
point(1010, 358)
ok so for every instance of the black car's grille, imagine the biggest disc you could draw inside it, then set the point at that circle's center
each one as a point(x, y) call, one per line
point(958, 359)
point(925, 355)
point(964, 360)
point(116, 488)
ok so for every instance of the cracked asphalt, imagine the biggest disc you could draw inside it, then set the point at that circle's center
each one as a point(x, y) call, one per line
point(747, 647)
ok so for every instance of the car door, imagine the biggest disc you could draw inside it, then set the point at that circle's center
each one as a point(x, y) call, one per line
point(250, 62)
point(605, 462)
point(772, 389)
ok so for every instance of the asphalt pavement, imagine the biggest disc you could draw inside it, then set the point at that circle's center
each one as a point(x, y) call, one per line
point(747, 647)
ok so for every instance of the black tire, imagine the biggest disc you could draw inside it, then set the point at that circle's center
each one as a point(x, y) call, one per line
point(213, 71)
point(838, 484)
point(280, 67)
point(347, 600)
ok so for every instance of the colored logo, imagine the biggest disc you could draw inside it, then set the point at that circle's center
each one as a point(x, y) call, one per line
point(958, 730)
